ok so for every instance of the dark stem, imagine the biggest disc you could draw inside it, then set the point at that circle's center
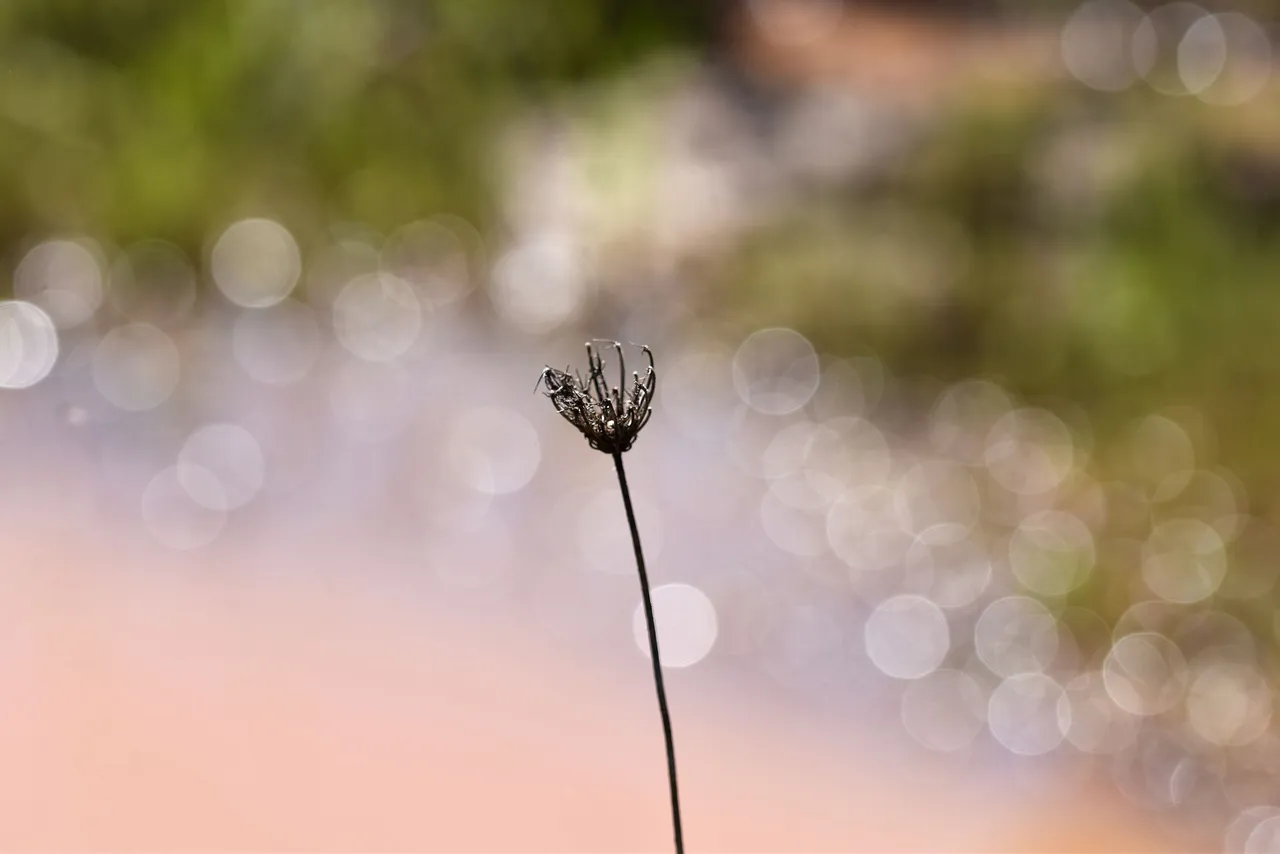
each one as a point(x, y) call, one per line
point(653, 654)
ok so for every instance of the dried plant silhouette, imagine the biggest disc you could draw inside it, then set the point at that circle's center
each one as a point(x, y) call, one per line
point(611, 418)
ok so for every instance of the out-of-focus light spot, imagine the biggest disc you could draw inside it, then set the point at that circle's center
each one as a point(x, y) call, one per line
point(1155, 45)
point(371, 400)
point(935, 493)
point(944, 710)
point(153, 282)
point(377, 317)
point(1096, 44)
point(1030, 451)
point(952, 567)
point(255, 263)
point(1251, 572)
point(1023, 714)
point(1151, 615)
point(1265, 837)
point(1051, 553)
point(604, 537)
point(847, 452)
point(863, 531)
point(1090, 719)
point(1242, 826)
point(802, 492)
point(505, 440)
point(787, 450)
point(748, 436)
point(1248, 61)
point(907, 637)
point(1216, 498)
point(841, 392)
point(540, 285)
point(184, 516)
point(775, 371)
point(1145, 673)
point(963, 417)
point(1183, 561)
point(1156, 453)
point(1202, 54)
point(231, 455)
point(1216, 634)
point(136, 367)
point(1015, 635)
point(28, 344)
point(1228, 703)
point(795, 23)
point(1147, 772)
point(685, 620)
point(63, 277)
point(432, 257)
point(276, 345)
point(796, 531)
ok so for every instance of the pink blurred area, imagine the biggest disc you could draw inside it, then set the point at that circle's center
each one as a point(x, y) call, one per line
point(224, 708)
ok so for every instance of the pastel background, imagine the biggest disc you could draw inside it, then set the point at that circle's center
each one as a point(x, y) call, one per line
point(959, 497)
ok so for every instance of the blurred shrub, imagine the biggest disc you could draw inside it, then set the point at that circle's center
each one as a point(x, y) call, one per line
point(1116, 251)
point(132, 118)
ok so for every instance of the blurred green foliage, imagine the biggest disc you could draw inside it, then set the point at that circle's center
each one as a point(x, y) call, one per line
point(1118, 251)
point(155, 118)
point(1121, 252)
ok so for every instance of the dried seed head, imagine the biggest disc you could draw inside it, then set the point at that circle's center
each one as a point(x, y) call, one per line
point(610, 418)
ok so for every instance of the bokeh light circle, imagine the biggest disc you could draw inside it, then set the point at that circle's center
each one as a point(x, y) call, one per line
point(63, 277)
point(1265, 837)
point(1016, 635)
point(1183, 561)
point(181, 511)
point(276, 345)
point(136, 367)
point(1051, 553)
point(1096, 43)
point(775, 371)
point(28, 344)
point(944, 710)
point(377, 317)
point(1030, 451)
point(951, 566)
point(231, 455)
point(431, 256)
point(686, 624)
point(1156, 42)
point(1023, 714)
point(1145, 673)
point(540, 285)
point(1228, 703)
point(255, 263)
point(1248, 65)
point(907, 637)
point(1090, 719)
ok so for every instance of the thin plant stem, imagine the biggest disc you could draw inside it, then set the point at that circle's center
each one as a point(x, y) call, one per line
point(653, 654)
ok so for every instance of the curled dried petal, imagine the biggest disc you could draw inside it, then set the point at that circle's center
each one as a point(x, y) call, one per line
point(610, 418)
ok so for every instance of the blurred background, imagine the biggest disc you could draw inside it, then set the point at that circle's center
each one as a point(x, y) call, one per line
point(961, 493)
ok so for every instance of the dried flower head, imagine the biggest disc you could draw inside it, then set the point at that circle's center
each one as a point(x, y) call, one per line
point(610, 418)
